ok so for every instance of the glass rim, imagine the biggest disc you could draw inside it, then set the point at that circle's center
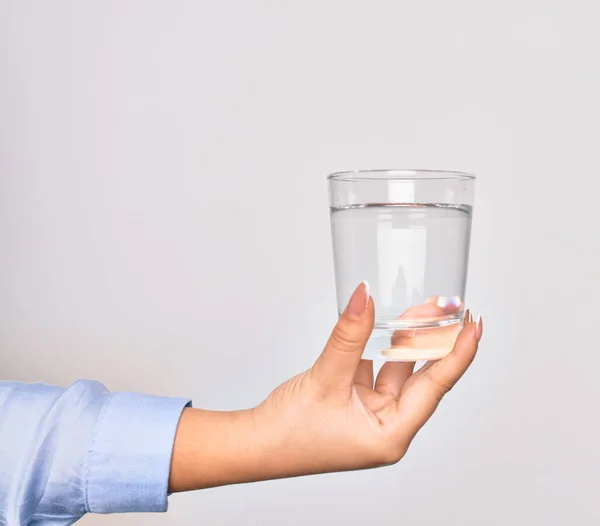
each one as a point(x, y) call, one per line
point(400, 174)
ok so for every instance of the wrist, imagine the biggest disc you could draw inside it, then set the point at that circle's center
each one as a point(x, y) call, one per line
point(214, 448)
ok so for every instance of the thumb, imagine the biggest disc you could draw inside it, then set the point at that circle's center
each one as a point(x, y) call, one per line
point(339, 360)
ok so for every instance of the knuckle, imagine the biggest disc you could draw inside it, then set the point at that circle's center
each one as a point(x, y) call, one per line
point(441, 386)
point(342, 338)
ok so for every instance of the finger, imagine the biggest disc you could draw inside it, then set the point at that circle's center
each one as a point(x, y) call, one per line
point(364, 374)
point(338, 363)
point(447, 371)
point(417, 403)
point(392, 376)
point(468, 318)
point(434, 308)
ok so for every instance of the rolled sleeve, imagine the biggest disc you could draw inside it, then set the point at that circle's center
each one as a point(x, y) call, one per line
point(65, 452)
point(130, 453)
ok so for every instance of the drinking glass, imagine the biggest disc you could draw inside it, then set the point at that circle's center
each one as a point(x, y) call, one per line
point(407, 234)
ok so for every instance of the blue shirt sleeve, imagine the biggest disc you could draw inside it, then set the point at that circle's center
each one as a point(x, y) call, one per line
point(66, 452)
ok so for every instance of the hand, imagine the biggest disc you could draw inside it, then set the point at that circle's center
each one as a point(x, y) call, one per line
point(333, 417)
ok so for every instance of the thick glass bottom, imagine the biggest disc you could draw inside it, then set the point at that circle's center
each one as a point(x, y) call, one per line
point(411, 343)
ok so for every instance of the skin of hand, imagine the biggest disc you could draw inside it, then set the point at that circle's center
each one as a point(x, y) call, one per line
point(333, 417)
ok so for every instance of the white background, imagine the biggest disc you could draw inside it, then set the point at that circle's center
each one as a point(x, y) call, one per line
point(164, 225)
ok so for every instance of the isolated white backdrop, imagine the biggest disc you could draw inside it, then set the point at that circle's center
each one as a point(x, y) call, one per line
point(164, 225)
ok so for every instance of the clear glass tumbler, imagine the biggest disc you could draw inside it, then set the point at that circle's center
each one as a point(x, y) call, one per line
point(407, 234)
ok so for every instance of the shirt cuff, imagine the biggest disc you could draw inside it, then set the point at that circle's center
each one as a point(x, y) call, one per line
point(130, 453)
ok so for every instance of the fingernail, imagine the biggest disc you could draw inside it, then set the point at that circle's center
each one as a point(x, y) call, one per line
point(467, 317)
point(479, 327)
point(359, 300)
point(470, 316)
point(444, 301)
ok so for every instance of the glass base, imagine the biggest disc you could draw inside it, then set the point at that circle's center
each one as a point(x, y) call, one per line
point(413, 343)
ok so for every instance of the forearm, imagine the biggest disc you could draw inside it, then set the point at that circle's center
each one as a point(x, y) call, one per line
point(215, 448)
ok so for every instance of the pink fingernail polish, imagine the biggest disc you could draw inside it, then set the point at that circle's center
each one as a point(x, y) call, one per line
point(359, 300)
